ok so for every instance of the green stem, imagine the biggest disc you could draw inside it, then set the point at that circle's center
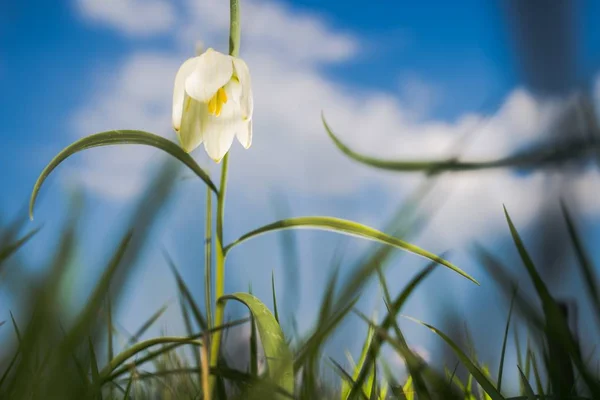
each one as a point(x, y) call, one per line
point(208, 259)
point(220, 265)
point(234, 48)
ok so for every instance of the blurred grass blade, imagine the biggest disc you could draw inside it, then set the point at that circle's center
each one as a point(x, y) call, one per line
point(538, 157)
point(317, 338)
point(253, 348)
point(278, 355)
point(114, 138)
point(96, 385)
point(9, 367)
point(146, 325)
point(89, 311)
point(183, 289)
point(471, 367)
point(538, 380)
point(275, 312)
point(389, 320)
point(171, 342)
point(585, 264)
point(349, 228)
point(16, 328)
point(408, 390)
point(562, 349)
point(109, 326)
point(528, 389)
point(347, 380)
point(128, 389)
point(358, 368)
point(503, 352)
point(8, 250)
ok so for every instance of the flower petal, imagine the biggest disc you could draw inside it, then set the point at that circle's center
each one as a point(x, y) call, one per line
point(219, 131)
point(192, 123)
point(243, 74)
point(212, 72)
point(244, 134)
point(179, 90)
point(218, 140)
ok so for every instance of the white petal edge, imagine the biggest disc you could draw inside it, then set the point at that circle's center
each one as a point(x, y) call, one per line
point(243, 74)
point(244, 134)
point(191, 133)
point(179, 89)
point(213, 70)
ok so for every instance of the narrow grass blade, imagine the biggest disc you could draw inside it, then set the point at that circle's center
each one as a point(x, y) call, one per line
point(200, 320)
point(563, 351)
point(538, 380)
point(349, 228)
point(472, 368)
point(372, 384)
point(253, 348)
point(389, 320)
point(94, 367)
point(9, 367)
point(109, 326)
point(275, 312)
point(114, 138)
point(528, 389)
point(347, 380)
point(318, 337)
point(584, 262)
point(147, 324)
point(347, 389)
point(278, 355)
point(111, 372)
point(16, 328)
point(503, 352)
point(8, 250)
point(89, 312)
point(128, 388)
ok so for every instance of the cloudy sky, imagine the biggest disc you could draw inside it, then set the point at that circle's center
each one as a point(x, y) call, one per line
point(394, 79)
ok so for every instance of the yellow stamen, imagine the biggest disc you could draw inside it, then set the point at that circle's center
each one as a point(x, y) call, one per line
point(222, 96)
point(215, 104)
point(212, 105)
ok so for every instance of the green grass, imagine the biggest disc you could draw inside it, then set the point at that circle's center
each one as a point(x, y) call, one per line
point(49, 359)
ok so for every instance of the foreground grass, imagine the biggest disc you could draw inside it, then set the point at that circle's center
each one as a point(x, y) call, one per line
point(90, 357)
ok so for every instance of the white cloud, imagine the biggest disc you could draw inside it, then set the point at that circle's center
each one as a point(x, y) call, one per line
point(270, 29)
point(135, 17)
point(291, 150)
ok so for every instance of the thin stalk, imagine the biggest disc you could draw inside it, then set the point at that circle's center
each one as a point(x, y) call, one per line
point(234, 46)
point(208, 259)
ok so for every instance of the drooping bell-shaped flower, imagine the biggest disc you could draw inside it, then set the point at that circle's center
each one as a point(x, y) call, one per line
point(212, 103)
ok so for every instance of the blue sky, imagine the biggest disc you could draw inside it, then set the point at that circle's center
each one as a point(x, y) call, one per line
point(393, 78)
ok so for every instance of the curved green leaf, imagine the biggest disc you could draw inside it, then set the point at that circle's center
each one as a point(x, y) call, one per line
point(479, 376)
point(120, 137)
point(535, 158)
point(350, 228)
point(277, 353)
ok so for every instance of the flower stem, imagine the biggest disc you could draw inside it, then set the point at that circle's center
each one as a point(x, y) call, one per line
point(220, 265)
point(234, 48)
point(208, 259)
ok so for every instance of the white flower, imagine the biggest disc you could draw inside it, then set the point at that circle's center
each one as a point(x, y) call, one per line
point(212, 103)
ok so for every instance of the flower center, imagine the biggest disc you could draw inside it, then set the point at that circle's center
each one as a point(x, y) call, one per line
point(215, 104)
